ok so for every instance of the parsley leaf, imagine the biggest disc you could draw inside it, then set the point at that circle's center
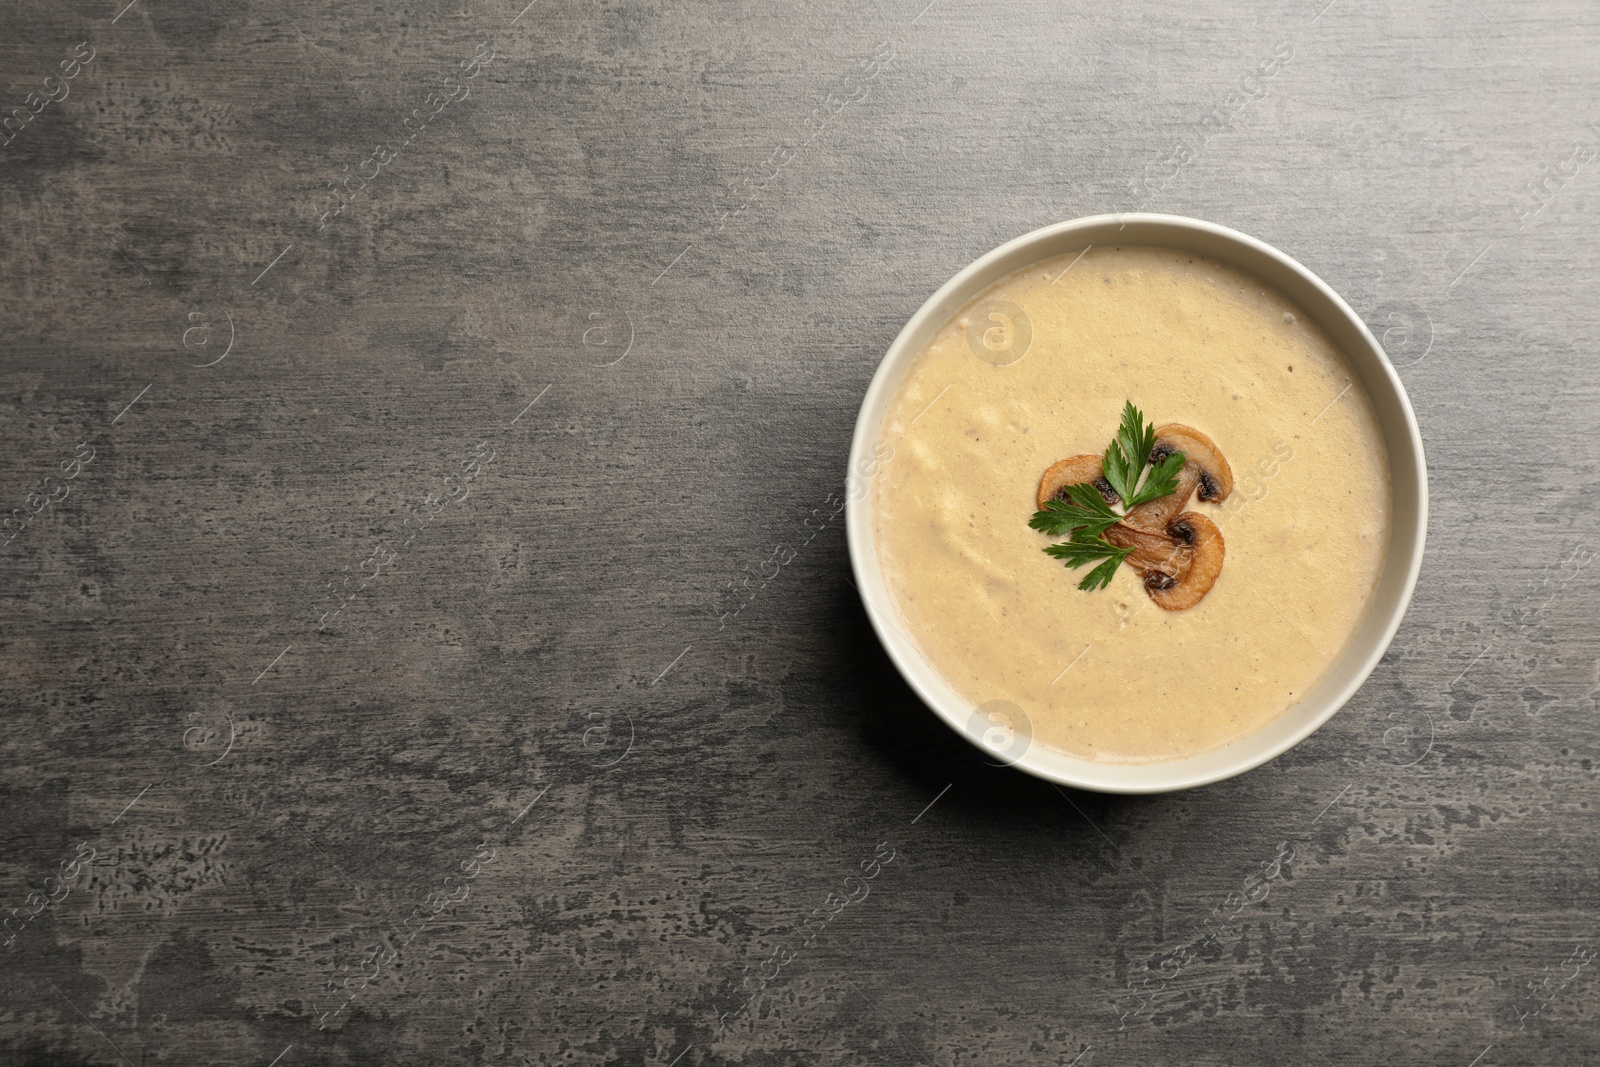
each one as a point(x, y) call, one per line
point(1125, 460)
point(1086, 548)
point(1126, 456)
point(1135, 436)
point(1162, 480)
point(1084, 510)
point(1100, 577)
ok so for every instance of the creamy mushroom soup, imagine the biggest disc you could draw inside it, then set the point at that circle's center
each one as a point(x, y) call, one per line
point(1037, 370)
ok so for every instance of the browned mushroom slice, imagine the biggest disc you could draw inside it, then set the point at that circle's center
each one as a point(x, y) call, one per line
point(1075, 470)
point(1153, 553)
point(1201, 536)
point(1199, 452)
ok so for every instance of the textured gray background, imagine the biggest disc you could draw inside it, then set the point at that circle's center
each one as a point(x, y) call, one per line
point(610, 228)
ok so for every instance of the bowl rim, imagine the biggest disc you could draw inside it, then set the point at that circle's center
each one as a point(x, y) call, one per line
point(1371, 367)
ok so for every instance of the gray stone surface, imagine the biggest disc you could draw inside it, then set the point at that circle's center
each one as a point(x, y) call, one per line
point(521, 800)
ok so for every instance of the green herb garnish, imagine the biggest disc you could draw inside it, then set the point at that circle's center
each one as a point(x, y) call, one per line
point(1084, 510)
point(1084, 517)
point(1127, 456)
point(1084, 548)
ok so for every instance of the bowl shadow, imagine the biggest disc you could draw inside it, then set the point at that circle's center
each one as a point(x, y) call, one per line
point(905, 735)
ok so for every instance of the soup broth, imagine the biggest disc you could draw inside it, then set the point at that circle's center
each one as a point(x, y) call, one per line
point(1037, 369)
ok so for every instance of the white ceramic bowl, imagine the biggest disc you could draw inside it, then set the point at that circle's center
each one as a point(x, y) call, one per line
point(1372, 368)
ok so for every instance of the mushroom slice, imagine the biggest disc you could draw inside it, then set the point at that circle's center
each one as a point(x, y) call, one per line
point(1200, 452)
point(1153, 553)
point(1200, 535)
point(1075, 470)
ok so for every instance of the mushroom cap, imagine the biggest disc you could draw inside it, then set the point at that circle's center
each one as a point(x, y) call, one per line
point(1199, 451)
point(1204, 541)
point(1074, 470)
